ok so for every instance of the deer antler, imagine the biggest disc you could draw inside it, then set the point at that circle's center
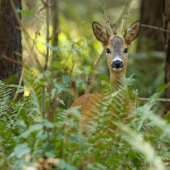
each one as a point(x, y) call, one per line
point(121, 29)
point(108, 23)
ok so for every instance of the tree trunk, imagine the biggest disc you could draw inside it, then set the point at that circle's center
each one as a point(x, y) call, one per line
point(10, 42)
point(166, 17)
point(151, 14)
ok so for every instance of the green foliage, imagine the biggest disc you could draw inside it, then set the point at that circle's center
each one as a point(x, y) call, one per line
point(39, 125)
point(139, 141)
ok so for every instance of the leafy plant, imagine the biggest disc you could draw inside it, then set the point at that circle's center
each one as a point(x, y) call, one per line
point(38, 131)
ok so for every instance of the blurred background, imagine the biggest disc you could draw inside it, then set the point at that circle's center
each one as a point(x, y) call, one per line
point(79, 52)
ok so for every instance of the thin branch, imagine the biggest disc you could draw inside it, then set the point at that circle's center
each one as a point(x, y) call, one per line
point(10, 59)
point(46, 4)
point(136, 98)
point(31, 51)
point(20, 24)
point(126, 17)
point(158, 100)
point(125, 10)
point(47, 34)
point(54, 33)
point(16, 15)
point(41, 9)
point(27, 37)
point(157, 28)
point(103, 9)
point(74, 62)
point(149, 26)
point(121, 29)
point(91, 40)
point(53, 3)
point(29, 5)
point(91, 76)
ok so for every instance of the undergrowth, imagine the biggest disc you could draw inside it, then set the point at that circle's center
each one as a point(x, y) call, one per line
point(139, 141)
point(37, 131)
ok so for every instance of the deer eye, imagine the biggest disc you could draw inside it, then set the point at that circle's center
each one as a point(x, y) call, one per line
point(108, 50)
point(126, 50)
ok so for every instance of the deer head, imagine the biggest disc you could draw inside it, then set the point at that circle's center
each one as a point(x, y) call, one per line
point(116, 46)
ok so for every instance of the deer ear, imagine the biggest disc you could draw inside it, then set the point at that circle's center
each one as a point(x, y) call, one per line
point(100, 33)
point(132, 32)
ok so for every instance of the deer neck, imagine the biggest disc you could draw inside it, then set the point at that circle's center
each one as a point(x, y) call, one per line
point(118, 80)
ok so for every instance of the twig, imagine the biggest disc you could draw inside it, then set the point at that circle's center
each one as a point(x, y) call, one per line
point(31, 48)
point(43, 103)
point(15, 13)
point(31, 51)
point(136, 97)
point(74, 62)
point(157, 28)
point(54, 33)
point(103, 10)
point(91, 40)
point(158, 100)
point(125, 10)
point(10, 59)
point(41, 9)
point(91, 77)
point(149, 26)
point(53, 3)
point(126, 17)
point(29, 4)
point(47, 34)
point(46, 4)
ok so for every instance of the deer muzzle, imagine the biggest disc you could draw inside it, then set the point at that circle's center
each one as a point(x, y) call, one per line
point(117, 64)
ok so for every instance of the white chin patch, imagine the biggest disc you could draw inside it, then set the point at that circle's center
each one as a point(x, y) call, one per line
point(117, 69)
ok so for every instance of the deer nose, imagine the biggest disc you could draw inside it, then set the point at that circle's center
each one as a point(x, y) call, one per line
point(117, 64)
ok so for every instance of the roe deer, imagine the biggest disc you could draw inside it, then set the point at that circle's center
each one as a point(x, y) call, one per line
point(117, 56)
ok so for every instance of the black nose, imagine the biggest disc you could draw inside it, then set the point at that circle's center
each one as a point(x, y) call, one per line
point(117, 64)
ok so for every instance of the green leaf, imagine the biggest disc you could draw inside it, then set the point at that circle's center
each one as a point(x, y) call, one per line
point(51, 47)
point(80, 84)
point(74, 50)
point(71, 43)
point(131, 81)
point(71, 123)
point(48, 124)
point(66, 79)
point(73, 138)
point(25, 12)
point(74, 111)
point(63, 48)
point(49, 155)
point(57, 64)
point(15, 86)
point(20, 90)
point(39, 78)
point(25, 134)
point(81, 144)
point(61, 87)
point(20, 150)
point(60, 101)
point(63, 165)
point(31, 129)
